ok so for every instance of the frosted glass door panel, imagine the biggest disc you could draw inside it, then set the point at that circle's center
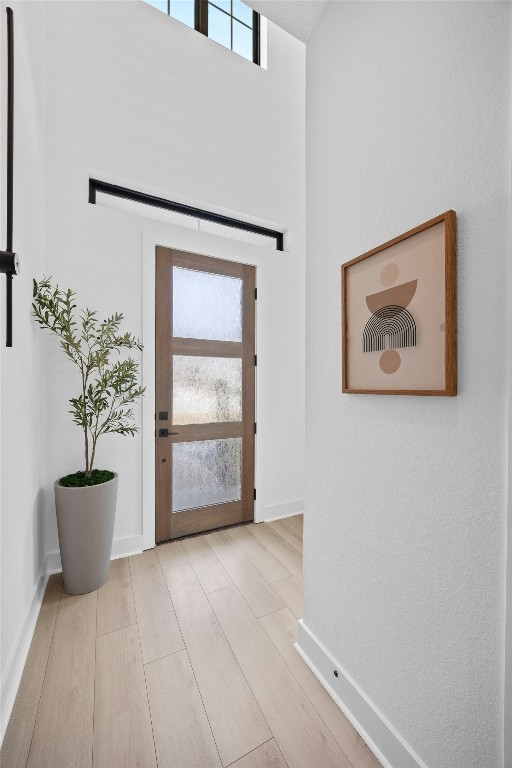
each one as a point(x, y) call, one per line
point(206, 472)
point(206, 389)
point(206, 306)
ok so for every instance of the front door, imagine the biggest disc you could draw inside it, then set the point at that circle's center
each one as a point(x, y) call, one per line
point(205, 371)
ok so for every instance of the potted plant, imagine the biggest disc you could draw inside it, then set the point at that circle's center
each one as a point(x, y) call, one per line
point(86, 500)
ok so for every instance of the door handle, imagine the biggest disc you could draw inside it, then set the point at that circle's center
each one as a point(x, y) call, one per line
point(166, 433)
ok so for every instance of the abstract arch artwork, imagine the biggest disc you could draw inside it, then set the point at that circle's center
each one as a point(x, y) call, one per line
point(401, 338)
point(389, 328)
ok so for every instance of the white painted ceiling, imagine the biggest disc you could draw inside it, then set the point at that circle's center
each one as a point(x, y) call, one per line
point(298, 17)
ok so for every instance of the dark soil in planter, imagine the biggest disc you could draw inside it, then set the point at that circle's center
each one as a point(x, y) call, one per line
point(79, 479)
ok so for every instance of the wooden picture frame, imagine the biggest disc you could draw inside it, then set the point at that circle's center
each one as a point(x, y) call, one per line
point(399, 314)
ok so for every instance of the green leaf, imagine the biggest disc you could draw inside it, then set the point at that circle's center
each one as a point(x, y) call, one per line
point(107, 387)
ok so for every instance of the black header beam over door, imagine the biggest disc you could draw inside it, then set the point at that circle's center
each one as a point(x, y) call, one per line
point(187, 210)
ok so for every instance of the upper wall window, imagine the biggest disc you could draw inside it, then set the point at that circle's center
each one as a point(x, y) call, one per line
point(229, 22)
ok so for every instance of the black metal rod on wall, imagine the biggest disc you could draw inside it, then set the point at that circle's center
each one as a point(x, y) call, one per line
point(10, 169)
point(8, 311)
point(186, 210)
point(10, 124)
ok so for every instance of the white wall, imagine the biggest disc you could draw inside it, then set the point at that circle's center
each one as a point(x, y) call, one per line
point(508, 622)
point(22, 381)
point(148, 102)
point(408, 115)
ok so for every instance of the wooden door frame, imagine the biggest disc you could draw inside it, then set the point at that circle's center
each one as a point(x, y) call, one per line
point(204, 518)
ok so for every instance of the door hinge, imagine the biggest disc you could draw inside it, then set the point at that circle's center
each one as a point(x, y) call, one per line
point(255, 494)
point(255, 293)
point(255, 427)
point(255, 360)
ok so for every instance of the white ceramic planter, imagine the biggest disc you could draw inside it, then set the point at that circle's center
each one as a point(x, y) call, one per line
point(85, 522)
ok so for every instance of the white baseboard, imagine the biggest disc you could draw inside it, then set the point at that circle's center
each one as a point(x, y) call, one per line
point(273, 512)
point(18, 656)
point(130, 545)
point(389, 747)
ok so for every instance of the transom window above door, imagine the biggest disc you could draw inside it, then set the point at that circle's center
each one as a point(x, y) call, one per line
point(229, 22)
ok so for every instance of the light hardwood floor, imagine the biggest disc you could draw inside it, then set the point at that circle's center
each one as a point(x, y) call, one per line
point(184, 659)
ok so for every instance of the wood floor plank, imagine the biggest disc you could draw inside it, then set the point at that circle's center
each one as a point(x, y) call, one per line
point(266, 756)
point(236, 720)
point(183, 736)
point(297, 521)
point(289, 533)
point(116, 608)
point(158, 627)
point(16, 744)
point(262, 558)
point(122, 723)
point(256, 590)
point(281, 627)
point(298, 730)
point(206, 565)
point(290, 591)
point(283, 550)
point(239, 695)
point(64, 727)
point(171, 554)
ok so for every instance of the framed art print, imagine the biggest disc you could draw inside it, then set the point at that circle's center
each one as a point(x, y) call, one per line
point(400, 314)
